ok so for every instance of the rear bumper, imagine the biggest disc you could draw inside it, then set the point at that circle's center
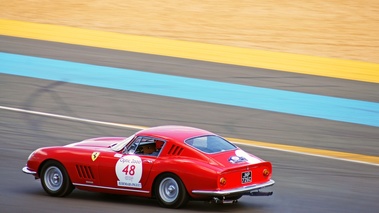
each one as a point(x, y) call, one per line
point(246, 190)
point(26, 170)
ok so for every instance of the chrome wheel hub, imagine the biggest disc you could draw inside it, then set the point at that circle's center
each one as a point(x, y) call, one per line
point(168, 189)
point(53, 178)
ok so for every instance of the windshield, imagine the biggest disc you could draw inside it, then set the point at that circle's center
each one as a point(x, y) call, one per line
point(120, 145)
point(210, 144)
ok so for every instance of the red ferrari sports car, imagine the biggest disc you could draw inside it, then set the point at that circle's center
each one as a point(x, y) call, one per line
point(173, 164)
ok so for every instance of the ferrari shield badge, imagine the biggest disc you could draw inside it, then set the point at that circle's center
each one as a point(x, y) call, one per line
point(95, 155)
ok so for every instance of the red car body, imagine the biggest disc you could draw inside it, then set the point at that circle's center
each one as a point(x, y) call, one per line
point(171, 163)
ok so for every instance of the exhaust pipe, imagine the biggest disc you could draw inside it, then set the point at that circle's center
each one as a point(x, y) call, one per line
point(258, 193)
point(217, 200)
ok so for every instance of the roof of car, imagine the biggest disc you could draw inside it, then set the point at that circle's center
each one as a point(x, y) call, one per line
point(179, 133)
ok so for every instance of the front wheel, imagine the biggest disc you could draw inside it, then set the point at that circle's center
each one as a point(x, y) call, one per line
point(55, 180)
point(170, 191)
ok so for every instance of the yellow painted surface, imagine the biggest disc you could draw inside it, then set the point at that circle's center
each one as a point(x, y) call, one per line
point(312, 65)
point(373, 160)
point(345, 29)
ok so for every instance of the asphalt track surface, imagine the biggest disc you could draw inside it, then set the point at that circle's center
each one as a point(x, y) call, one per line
point(303, 183)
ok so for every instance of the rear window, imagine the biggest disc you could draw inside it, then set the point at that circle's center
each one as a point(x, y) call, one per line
point(210, 144)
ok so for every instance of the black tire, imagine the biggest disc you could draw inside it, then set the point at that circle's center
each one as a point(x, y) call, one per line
point(55, 180)
point(170, 191)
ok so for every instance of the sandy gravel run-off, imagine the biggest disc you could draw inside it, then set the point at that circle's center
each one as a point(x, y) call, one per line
point(347, 29)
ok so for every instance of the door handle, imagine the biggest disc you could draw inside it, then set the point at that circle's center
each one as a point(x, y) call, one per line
point(147, 161)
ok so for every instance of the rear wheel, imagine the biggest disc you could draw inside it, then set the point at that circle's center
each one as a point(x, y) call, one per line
point(55, 180)
point(170, 191)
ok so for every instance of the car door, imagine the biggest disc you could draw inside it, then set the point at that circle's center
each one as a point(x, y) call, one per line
point(127, 170)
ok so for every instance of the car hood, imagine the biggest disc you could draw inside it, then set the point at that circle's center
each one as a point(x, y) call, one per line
point(235, 158)
point(103, 142)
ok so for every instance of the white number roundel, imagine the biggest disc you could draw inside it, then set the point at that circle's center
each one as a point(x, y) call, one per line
point(250, 159)
point(129, 171)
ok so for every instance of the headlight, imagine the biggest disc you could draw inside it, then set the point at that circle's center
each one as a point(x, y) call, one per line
point(31, 154)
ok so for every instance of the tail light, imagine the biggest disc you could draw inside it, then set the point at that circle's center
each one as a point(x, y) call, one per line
point(266, 172)
point(222, 181)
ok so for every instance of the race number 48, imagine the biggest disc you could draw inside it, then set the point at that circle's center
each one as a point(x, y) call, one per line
point(129, 171)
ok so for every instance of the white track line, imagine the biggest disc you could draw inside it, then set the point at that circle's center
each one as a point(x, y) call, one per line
point(73, 118)
point(136, 127)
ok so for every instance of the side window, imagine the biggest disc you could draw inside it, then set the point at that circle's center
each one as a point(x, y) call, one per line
point(210, 144)
point(133, 146)
point(146, 146)
point(158, 147)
